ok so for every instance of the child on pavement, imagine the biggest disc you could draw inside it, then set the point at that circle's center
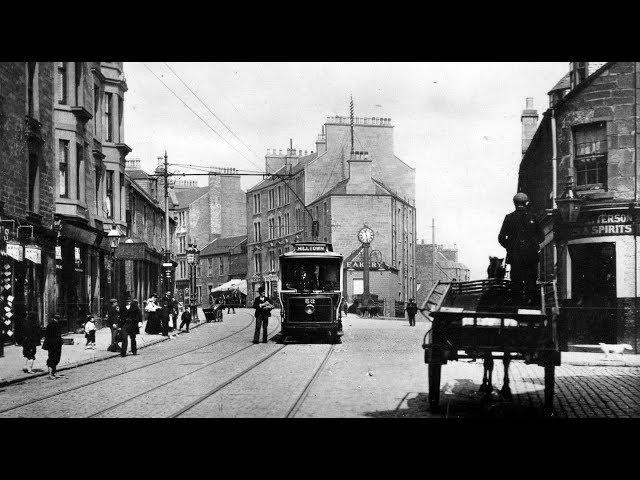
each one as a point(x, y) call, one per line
point(90, 333)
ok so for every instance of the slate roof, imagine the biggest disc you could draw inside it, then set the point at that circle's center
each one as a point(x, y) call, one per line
point(222, 245)
point(186, 196)
point(304, 161)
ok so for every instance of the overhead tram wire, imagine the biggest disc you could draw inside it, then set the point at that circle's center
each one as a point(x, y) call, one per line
point(196, 114)
point(210, 110)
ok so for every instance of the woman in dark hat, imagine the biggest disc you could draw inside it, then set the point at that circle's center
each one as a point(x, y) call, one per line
point(30, 341)
point(53, 343)
point(154, 326)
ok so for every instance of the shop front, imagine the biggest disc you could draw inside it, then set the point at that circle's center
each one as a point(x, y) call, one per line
point(598, 271)
point(26, 271)
point(142, 269)
point(81, 257)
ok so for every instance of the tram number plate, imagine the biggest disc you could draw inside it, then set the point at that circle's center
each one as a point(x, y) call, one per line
point(310, 300)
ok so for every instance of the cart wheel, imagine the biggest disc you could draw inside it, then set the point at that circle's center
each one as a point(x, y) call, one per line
point(549, 385)
point(434, 386)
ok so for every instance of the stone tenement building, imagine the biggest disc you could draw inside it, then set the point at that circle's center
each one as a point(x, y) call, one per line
point(90, 192)
point(588, 135)
point(140, 256)
point(204, 214)
point(27, 190)
point(222, 260)
point(447, 267)
point(343, 193)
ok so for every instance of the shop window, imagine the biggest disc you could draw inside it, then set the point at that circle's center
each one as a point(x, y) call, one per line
point(590, 156)
point(32, 89)
point(97, 186)
point(78, 83)
point(63, 168)
point(120, 116)
point(96, 108)
point(79, 171)
point(108, 117)
point(109, 194)
point(62, 83)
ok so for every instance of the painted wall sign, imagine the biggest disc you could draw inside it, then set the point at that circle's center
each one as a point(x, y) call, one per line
point(602, 225)
point(15, 251)
point(33, 254)
point(372, 266)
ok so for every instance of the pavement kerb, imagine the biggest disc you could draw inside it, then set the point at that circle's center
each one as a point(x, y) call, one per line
point(106, 355)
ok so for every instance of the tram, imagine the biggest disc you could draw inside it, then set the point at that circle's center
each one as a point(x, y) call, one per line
point(310, 290)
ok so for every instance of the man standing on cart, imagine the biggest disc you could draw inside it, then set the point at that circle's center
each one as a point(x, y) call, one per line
point(521, 236)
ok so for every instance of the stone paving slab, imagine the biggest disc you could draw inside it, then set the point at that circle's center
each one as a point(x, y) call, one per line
point(75, 355)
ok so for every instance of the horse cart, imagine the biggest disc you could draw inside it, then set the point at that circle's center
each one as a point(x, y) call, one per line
point(487, 319)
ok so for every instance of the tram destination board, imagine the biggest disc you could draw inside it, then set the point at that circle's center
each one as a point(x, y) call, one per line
point(306, 248)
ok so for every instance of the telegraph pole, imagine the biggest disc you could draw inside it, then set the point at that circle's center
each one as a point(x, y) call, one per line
point(168, 264)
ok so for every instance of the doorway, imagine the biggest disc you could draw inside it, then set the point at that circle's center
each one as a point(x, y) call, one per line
point(592, 316)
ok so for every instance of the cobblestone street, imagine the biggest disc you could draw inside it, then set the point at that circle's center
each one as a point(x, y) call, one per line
point(377, 371)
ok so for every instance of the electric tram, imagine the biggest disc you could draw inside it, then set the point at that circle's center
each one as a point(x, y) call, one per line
point(310, 290)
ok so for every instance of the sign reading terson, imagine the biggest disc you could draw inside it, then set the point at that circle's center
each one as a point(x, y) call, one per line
point(603, 225)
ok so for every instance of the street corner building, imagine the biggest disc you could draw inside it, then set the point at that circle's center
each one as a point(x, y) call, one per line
point(203, 215)
point(579, 169)
point(342, 185)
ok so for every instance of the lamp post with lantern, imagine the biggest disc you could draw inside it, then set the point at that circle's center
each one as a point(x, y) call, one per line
point(192, 259)
point(114, 239)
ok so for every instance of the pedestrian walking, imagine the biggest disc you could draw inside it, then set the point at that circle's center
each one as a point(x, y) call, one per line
point(263, 307)
point(521, 236)
point(231, 301)
point(90, 333)
point(219, 308)
point(113, 319)
point(412, 309)
point(53, 344)
point(30, 341)
point(185, 319)
point(165, 314)
point(154, 326)
point(130, 323)
point(172, 308)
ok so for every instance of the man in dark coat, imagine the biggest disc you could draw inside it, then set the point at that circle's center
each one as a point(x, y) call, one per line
point(185, 319)
point(130, 322)
point(113, 319)
point(521, 236)
point(168, 305)
point(263, 307)
point(172, 308)
point(412, 309)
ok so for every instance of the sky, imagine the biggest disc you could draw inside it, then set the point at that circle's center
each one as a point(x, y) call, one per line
point(457, 124)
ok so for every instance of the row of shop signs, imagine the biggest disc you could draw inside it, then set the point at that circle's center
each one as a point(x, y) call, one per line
point(19, 252)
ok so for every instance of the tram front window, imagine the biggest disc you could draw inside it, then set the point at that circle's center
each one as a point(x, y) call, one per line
point(310, 275)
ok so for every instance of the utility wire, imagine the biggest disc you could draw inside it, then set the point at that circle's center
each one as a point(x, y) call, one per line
point(196, 114)
point(210, 110)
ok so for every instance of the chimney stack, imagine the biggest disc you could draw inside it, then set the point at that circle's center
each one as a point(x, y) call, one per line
point(529, 121)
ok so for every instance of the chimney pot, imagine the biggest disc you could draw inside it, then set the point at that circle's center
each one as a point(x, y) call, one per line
point(529, 103)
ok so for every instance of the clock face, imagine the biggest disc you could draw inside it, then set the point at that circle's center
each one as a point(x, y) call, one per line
point(365, 235)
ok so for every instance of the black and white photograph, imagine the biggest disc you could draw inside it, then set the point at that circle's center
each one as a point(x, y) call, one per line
point(246, 239)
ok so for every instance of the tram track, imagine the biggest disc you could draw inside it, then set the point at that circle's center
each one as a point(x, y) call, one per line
point(290, 413)
point(305, 392)
point(273, 333)
point(115, 375)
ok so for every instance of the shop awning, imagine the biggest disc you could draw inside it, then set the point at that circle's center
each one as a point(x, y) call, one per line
point(234, 284)
point(137, 251)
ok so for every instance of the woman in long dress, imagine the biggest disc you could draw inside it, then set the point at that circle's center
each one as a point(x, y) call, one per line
point(154, 327)
point(53, 343)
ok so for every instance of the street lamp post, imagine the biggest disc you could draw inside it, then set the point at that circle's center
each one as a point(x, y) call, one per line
point(114, 238)
point(192, 260)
